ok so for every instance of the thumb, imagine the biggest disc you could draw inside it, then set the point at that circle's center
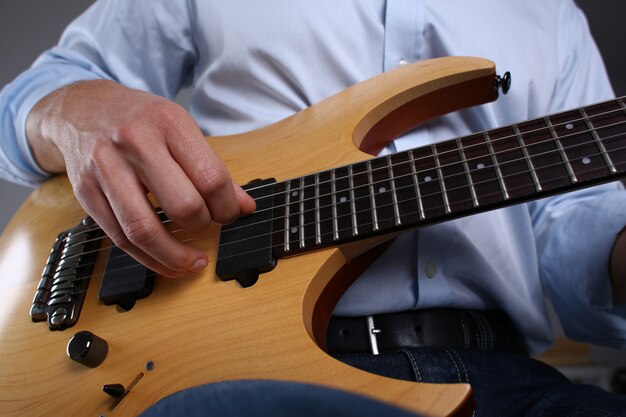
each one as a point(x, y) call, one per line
point(246, 203)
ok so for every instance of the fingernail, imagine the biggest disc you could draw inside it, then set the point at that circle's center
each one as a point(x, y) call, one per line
point(199, 265)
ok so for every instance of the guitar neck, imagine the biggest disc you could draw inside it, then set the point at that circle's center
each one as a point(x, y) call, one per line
point(451, 179)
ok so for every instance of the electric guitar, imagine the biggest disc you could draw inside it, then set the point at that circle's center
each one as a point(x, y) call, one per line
point(323, 203)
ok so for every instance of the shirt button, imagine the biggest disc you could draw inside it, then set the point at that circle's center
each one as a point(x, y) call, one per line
point(403, 62)
point(430, 269)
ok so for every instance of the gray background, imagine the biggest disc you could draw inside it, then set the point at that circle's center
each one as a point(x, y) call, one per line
point(27, 27)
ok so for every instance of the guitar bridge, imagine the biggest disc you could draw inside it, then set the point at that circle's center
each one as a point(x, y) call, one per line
point(65, 278)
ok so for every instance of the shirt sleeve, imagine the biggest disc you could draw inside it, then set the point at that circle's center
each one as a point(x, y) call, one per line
point(575, 232)
point(143, 44)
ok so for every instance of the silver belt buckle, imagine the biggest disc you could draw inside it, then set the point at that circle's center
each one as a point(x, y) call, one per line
point(372, 332)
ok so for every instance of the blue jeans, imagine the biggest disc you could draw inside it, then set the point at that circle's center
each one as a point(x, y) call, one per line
point(268, 399)
point(504, 384)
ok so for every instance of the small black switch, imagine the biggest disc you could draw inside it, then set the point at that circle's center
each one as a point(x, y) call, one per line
point(115, 391)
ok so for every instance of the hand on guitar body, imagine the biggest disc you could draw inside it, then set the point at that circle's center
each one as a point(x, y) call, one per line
point(116, 145)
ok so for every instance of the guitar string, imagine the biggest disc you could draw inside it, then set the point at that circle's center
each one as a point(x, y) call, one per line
point(439, 207)
point(464, 173)
point(392, 218)
point(546, 129)
point(278, 245)
point(455, 164)
point(516, 135)
point(464, 148)
point(483, 144)
point(434, 178)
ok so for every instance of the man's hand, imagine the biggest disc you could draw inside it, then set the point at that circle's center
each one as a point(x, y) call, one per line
point(118, 144)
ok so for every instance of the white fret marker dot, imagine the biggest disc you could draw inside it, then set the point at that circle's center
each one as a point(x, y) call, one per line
point(343, 199)
point(569, 126)
point(428, 178)
point(480, 166)
point(382, 189)
point(294, 193)
point(586, 161)
point(294, 230)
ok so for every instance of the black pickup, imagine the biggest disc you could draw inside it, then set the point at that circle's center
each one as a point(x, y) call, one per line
point(245, 247)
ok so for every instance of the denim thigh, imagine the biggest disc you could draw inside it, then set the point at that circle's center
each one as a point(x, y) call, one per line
point(504, 384)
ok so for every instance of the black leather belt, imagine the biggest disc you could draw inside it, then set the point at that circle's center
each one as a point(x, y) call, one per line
point(444, 328)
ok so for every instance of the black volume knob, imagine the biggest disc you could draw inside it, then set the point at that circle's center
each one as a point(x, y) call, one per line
point(87, 349)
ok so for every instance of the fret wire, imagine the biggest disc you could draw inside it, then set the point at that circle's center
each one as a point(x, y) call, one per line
point(333, 193)
point(412, 159)
point(529, 162)
point(301, 212)
point(492, 152)
point(468, 176)
point(555, 136)
point(507, 137)
point(318, 229)
point(394, 196)
point(252, 237)
point(490, 180)
point(442, 184)
point(596, 138)
point(370, 180)
point(420, 204)
point(496, 165)
point(594, 169)
point(190, 239)
point(621, 105)
point(287, 215)
point(355, 228)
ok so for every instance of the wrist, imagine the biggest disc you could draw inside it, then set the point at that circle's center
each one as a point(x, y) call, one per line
point(42, 130)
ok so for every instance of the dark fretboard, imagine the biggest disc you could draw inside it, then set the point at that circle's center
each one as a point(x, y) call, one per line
point(451, 179)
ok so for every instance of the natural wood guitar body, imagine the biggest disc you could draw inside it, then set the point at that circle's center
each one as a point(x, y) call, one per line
point(198, 329)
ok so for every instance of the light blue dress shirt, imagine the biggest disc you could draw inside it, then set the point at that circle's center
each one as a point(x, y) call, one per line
point(252, 63)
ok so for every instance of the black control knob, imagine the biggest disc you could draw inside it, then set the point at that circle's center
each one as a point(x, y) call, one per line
point(87, 349)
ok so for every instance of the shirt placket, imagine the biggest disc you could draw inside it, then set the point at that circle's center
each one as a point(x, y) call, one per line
point(404, 28)
point(404, 42)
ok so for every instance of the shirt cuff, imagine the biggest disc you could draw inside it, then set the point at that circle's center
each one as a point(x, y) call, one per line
point(53, 70)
